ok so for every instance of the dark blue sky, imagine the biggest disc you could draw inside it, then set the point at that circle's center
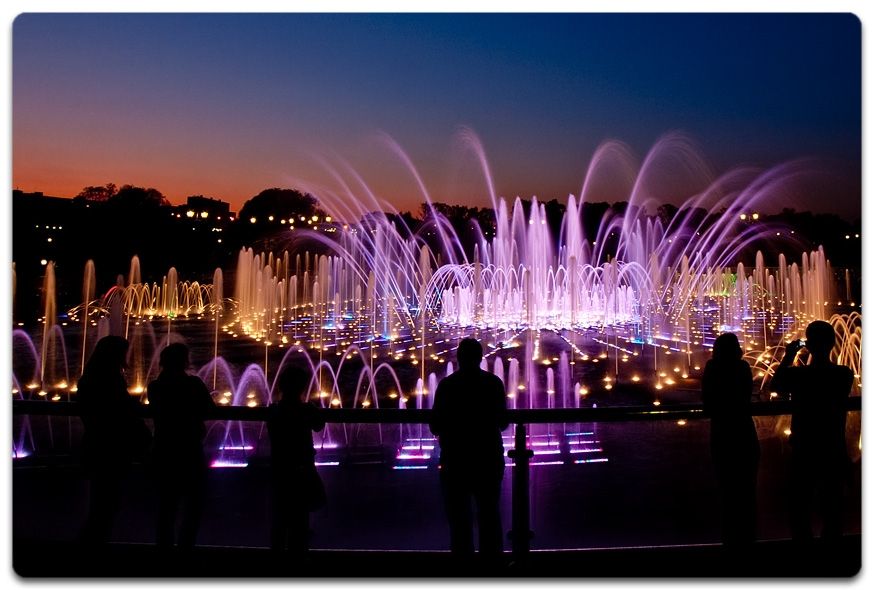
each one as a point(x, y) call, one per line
point(229, 104)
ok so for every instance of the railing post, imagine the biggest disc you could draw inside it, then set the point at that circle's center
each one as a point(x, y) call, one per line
point(520, 533)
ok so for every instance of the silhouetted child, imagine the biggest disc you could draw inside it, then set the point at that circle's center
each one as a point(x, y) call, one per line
point(115, 435)
point(180, 403)
point(468, 415)
point(726, 389)
point(297, 487)
point(820, 462)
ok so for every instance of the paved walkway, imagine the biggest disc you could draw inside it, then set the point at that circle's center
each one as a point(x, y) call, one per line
point(766, 559)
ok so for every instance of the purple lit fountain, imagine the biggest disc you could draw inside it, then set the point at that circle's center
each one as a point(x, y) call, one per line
point(564, 317)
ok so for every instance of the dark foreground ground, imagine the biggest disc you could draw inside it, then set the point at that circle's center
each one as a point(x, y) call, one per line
point(767, 559)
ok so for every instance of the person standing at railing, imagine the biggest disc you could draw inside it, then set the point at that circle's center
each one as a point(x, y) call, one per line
point(180, 403)
point(820, 463)
point(468, 415)
point(297, 487)
point(726, 389)
point(115, 435)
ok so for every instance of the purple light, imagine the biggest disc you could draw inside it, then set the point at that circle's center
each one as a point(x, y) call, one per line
point(399, 467)
point(579, 434)
point(413, 456)
point(548, 452)
point(236, 448)
point(533, 463)
point(327, 463)
point(418, 447)
point(595, 450)
point(222, 464)
point(583, 442)
point(20, 454)
point(599, 460)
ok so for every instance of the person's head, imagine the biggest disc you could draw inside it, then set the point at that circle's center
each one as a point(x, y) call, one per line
point(727, 348)
point(820, 338)
point(469, 354)
point(293, 384)
point(109, 355)
point(174, 358)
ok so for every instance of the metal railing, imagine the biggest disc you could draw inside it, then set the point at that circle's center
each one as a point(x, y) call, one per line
point(520, 533)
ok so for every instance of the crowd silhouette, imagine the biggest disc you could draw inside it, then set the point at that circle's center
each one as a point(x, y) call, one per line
point(468, 416)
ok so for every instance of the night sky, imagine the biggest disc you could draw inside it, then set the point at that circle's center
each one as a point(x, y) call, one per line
point(227, 105)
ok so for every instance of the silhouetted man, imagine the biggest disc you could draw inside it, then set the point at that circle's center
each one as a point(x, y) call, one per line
point(297, 487)
point(819, 463)
point(180, 403)
point(469, 413)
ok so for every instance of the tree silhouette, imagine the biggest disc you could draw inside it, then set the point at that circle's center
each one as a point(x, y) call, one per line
point(97, 194)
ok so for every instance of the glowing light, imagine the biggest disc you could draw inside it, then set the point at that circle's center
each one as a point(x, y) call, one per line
point(681, 422)
point(252, 220)
point(222, 464)
point(189, 213)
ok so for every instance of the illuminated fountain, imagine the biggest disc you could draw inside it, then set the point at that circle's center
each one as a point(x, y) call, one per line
point(375, 311)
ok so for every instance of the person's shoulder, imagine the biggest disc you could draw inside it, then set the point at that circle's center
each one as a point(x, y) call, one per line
point(450, 379)
point(491, 378)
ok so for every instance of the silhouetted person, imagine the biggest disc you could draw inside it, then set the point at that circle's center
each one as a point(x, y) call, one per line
point(726, 389)
point(114, 434)
point(469, 413)
point(180, 403)
point(297, 487)
point(820, 463)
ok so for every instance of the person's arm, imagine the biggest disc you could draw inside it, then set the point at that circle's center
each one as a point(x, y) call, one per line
point(781, 381)
point(317, 422)
point(207, 404)
point(707, 388)
point(503, 417)
point(436, 421)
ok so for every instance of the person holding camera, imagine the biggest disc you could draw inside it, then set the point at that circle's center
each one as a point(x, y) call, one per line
point(819, 463)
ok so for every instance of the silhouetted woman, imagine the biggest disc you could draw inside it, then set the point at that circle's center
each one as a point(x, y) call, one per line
point(114, 433)
point(180, 403)
point(297, 487)
point(727, 394)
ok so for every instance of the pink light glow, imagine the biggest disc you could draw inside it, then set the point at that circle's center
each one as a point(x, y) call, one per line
point(222, 464)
